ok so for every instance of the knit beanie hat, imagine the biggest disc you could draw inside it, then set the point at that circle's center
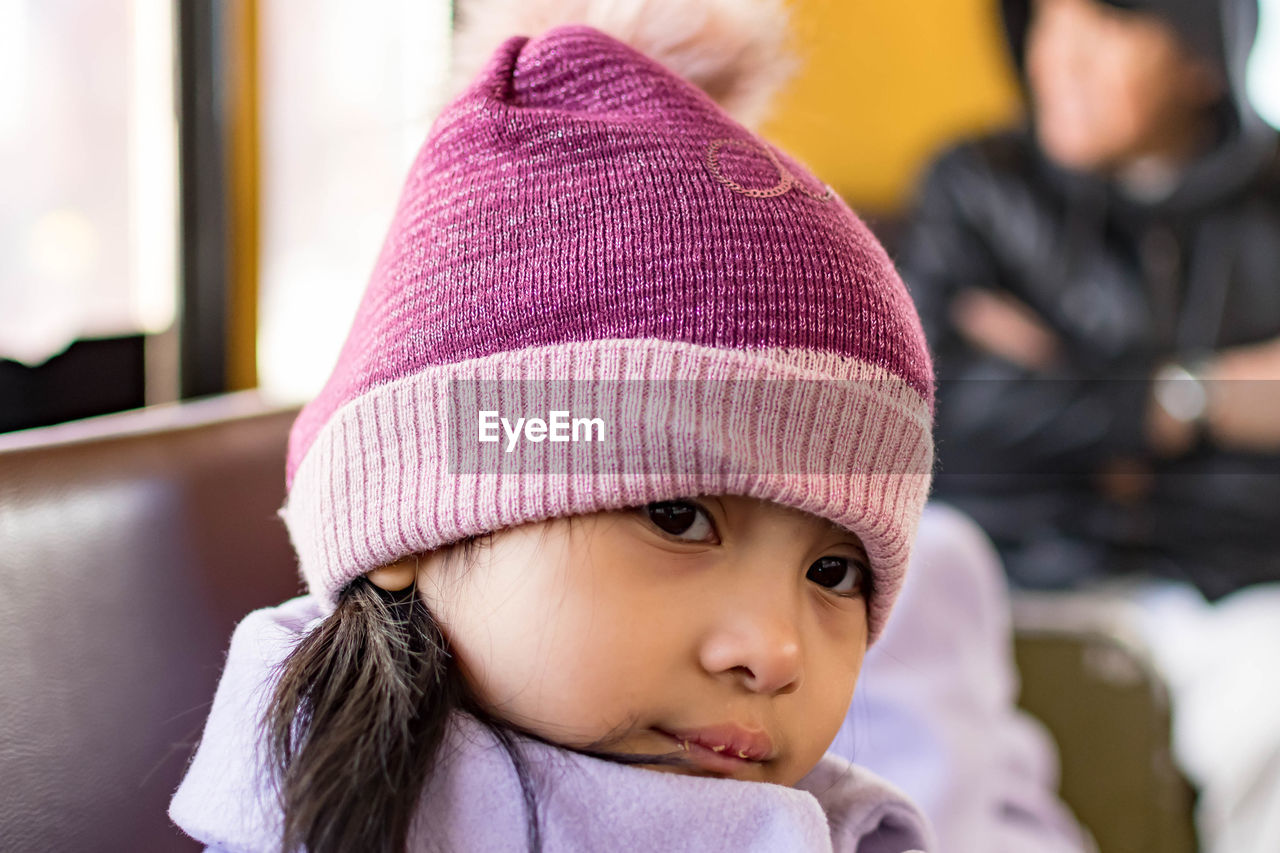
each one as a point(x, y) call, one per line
point(584, 231)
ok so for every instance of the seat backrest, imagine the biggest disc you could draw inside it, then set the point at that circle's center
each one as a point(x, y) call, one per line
point(130, 545)
point(1090, 681)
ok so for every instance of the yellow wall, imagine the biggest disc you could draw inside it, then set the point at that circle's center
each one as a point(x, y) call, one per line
point(886, 83)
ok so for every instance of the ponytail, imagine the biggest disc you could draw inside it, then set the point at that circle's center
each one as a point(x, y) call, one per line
point(356, 721)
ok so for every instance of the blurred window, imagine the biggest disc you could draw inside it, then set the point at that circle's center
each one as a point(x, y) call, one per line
point(348, 92)
point(1264, 64)
point(88, 162)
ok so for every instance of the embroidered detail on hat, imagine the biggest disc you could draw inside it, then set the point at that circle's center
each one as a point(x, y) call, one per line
point(786, 181)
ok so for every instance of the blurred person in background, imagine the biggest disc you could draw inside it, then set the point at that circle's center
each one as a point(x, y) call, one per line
point(1101, 290)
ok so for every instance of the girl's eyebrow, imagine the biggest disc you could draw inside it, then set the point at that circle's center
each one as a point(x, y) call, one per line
point(832, 527)
point(847, 533)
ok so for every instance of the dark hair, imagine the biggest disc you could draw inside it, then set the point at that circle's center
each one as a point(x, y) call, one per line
point(356, 720)
point(355, 724)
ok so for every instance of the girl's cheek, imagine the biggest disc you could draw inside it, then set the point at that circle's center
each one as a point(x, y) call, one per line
point(840, 627)
point(844, 652)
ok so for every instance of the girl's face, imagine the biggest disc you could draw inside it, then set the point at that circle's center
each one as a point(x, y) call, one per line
point(726, 630)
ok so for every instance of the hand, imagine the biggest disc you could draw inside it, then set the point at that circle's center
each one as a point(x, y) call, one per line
point(1004, 326)
point(1125, 481)
point(1244, 397)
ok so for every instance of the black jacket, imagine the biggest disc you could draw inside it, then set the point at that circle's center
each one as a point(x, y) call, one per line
point(1126, 286)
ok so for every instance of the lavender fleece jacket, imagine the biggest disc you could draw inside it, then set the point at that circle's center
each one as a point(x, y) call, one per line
point(935, 708)
point(474, 802)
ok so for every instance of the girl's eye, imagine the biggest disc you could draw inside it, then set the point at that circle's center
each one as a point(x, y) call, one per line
point(838, 574)
point(682, 519)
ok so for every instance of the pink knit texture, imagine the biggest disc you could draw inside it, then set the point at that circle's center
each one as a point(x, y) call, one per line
point(579, 202)
point(833, 436)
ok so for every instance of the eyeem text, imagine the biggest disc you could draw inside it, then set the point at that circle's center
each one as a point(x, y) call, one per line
point(559, 427)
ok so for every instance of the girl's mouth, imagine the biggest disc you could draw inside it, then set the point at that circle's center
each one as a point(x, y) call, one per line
point(724, 749)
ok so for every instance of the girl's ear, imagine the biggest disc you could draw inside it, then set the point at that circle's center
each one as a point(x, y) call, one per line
point(396, 576)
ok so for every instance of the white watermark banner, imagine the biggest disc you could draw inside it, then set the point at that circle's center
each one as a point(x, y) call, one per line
point(629, 427)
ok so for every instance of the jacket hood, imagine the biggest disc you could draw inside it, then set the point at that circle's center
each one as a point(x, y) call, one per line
point(1224, 32)
point(226, 800)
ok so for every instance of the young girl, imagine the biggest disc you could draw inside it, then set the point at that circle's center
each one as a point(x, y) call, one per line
point(613, 484)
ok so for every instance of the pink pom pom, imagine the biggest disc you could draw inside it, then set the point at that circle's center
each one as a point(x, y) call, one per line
point(736, 51)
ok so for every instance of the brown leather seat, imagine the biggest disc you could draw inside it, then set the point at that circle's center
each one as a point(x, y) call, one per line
point(130, 546)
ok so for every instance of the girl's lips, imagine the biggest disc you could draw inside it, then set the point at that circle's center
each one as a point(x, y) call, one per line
point(724, 748)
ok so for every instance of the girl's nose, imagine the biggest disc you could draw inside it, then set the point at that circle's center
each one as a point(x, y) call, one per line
point(759, 644)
